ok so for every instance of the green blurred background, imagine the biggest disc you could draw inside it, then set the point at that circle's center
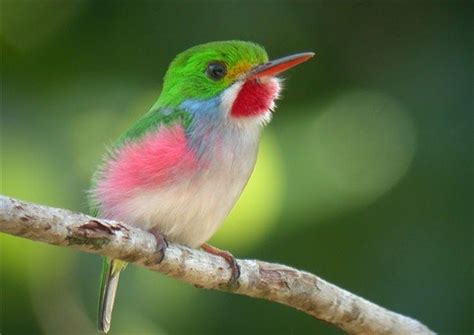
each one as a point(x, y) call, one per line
point(364, 177)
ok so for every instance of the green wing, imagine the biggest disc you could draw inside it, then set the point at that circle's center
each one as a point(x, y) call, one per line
point(155, 118)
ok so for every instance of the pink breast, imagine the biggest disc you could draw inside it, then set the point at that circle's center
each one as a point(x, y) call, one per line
point(158, 158)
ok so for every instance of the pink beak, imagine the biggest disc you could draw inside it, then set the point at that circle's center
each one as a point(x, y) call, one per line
point(274, 67)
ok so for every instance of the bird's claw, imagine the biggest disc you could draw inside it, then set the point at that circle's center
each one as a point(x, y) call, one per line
point(161, 243)
point(233, 282)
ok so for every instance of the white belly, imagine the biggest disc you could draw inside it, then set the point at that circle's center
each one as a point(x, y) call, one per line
point(190, 211)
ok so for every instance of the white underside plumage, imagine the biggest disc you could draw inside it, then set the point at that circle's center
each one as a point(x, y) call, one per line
point(190, 210)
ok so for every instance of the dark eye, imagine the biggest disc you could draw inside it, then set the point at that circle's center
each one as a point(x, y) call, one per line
point(216, 70)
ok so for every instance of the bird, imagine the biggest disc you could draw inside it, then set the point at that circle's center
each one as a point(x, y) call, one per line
point(179, 169)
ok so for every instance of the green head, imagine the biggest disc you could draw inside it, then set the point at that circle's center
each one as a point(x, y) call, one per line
point(206, 70)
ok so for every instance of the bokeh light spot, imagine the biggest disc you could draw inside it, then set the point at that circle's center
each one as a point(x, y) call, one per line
point(363, 144)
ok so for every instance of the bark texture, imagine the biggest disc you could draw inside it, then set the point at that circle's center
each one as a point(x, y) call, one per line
point(279, 283)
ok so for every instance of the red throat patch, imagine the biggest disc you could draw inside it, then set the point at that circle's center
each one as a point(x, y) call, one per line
point(255, 98)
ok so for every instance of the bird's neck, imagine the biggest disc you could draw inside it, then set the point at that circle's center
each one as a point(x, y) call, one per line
point(232, 121)
point(240, 111)
point(213, 135)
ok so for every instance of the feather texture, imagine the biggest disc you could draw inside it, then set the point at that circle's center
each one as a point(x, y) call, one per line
point(180, 169)
point(183, 182)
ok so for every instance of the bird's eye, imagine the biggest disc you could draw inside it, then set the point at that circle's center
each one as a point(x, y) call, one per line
point(216, 70)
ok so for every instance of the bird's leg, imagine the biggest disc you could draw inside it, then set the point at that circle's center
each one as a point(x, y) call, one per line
point(230, 259)
point(161, 243)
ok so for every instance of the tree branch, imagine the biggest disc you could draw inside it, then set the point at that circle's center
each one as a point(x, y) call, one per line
point(279, 283)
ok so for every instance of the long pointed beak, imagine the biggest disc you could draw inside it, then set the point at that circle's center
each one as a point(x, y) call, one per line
point(279, 65)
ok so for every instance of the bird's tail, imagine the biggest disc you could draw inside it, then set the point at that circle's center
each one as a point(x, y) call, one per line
point(108, 286)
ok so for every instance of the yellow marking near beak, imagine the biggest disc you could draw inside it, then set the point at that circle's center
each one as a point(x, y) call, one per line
point(238, 70)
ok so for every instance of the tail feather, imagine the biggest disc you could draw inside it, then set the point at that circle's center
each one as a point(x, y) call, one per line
point(108, 287)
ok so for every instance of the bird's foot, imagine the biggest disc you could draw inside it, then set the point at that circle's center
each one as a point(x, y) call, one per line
point(230, 259)
point(161, 243)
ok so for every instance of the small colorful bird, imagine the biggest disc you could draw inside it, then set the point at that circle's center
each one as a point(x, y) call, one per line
point(179, 170)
